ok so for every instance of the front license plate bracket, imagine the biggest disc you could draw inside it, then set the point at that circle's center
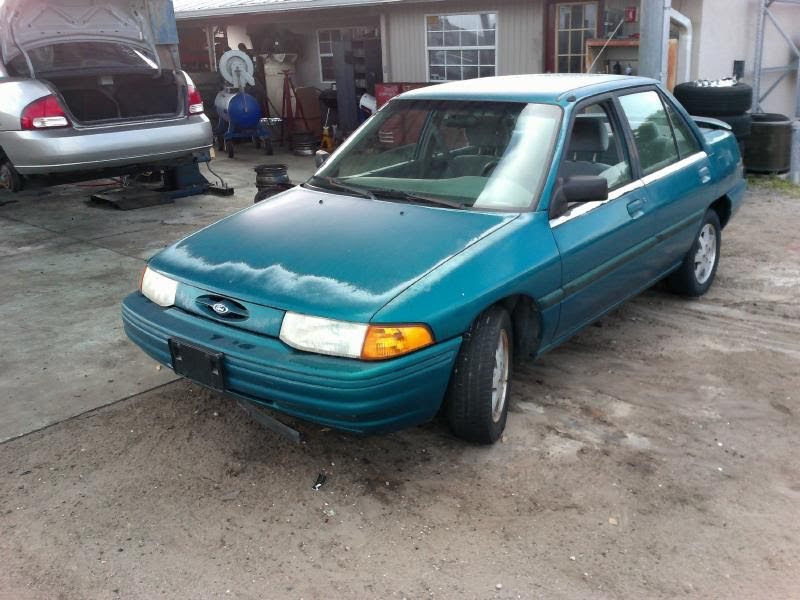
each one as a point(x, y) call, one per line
point(206, 367)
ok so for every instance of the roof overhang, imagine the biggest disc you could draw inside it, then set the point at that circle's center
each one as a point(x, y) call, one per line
point(202, 9)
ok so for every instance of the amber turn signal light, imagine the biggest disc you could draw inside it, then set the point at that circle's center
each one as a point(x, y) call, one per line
point(389, 341)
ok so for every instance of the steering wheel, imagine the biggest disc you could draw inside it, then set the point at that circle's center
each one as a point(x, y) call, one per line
point(489, 167)
point(446, 155)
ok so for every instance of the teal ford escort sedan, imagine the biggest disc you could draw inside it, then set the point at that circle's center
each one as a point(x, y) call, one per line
point(463, 226)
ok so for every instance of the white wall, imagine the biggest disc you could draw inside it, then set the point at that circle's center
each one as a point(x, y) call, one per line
point(725, 30)
point(237, 34)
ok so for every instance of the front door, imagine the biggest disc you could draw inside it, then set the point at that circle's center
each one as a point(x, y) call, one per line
point(600, 242)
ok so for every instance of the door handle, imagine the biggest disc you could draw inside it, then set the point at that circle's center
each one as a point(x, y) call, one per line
point(705, 175)
point(635, 207)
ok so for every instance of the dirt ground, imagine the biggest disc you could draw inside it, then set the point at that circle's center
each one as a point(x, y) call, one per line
point(653, 456)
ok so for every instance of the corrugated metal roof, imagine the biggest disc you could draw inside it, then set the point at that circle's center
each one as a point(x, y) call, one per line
point(193, 9)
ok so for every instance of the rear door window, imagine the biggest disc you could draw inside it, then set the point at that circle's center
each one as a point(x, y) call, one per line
point(652, 130)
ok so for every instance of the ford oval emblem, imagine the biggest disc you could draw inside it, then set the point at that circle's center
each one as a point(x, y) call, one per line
point(220, 308)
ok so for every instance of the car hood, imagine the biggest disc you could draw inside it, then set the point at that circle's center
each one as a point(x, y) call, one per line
point(329, 255)
point(28, 24)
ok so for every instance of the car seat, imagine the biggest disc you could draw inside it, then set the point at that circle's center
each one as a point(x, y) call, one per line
point(589, 138)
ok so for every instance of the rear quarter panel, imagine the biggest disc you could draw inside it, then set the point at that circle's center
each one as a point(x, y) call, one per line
point(726, 166)
point(15, 95)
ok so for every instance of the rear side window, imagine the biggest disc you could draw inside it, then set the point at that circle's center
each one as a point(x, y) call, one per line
point(652, 131)
point(687, 142)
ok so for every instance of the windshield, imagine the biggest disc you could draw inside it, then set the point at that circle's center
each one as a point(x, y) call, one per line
point(69, 56)
point(481, 154)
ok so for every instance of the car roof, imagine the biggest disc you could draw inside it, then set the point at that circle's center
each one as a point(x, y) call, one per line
point(547, 88)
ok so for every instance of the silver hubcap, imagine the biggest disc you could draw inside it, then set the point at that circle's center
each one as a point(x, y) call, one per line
point(706, 253)
point(500, 376)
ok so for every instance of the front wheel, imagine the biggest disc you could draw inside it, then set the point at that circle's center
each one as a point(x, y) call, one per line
point(699, 266)
point(477, 398)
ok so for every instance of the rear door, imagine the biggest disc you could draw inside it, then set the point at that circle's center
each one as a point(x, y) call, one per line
point(675, 171)
point(601, 243)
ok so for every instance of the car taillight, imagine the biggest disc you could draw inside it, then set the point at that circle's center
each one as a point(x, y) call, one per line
point(44, 113)
point(195, 101)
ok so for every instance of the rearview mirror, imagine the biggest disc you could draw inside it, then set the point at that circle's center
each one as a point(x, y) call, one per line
point(320, 157)
point(585, 188)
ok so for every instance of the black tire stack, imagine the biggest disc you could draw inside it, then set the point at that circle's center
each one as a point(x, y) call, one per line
point(726, 103)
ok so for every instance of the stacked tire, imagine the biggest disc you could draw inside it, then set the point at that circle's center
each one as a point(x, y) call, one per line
point(728, 103)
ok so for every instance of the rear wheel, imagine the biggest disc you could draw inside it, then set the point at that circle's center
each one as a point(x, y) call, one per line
point(699, 266)
point(477, 399)
point(10, 180)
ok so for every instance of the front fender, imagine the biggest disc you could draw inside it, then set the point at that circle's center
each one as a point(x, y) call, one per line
point(519, 259)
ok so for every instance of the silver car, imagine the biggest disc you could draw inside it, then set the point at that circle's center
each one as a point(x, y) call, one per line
point(90, 88)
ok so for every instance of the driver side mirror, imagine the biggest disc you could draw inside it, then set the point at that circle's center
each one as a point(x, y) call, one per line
point(578, 189)
point(320, 157)
point(585, 188)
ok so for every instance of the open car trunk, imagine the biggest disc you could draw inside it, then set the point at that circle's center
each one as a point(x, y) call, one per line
point(130, 96)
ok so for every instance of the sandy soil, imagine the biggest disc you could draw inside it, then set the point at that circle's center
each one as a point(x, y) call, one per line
point(654, 456)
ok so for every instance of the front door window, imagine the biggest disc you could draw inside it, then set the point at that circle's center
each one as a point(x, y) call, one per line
point(575, 23)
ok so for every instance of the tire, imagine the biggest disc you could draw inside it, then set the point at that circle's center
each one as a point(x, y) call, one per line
point(714, 101)
point(740, 124)
point(697, 271)
point(10, 180)
point(229, 148)
point(477, 397)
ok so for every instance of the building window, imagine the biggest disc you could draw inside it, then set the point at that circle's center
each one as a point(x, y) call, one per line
point(325, 39)
point(576, 22)
point(461, 46)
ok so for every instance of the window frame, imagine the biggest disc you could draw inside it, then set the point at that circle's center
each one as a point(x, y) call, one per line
point(555, 29)
point(320, 54)
point(663, 99)
point(627, 146)
point(428, 48)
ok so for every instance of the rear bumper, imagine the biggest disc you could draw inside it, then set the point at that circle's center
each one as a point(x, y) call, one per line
point(96, 148)
point(352, 395)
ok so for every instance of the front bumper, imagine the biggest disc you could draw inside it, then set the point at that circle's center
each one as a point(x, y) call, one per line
point(96, 148)
point(352, 395)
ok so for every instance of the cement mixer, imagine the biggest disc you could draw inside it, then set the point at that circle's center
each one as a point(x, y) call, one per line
point(240, 115)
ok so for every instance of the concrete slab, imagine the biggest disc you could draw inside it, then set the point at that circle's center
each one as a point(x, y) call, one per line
point(66, 264)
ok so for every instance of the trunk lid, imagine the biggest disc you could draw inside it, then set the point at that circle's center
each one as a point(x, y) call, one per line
point(340, 257)
point(29, 24)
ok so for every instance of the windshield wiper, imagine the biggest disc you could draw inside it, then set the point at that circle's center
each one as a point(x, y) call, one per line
point(421, 198)
point(338, 184)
